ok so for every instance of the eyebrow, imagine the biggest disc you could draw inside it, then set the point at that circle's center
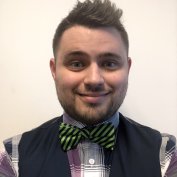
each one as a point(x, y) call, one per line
point(84, 54)
point(76, 53)
point(109, 54)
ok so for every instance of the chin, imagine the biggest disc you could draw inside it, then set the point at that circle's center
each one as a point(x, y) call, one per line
point(92, 117)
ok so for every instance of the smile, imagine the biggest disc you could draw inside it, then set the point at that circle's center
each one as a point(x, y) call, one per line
point(93, 98)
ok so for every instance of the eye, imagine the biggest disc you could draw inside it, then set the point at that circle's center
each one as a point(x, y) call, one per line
point(110, 65)
point(76, 65)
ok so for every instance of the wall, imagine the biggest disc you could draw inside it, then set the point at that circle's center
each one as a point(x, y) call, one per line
point(27, 93)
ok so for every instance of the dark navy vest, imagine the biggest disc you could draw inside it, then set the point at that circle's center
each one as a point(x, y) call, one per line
point(136, 153)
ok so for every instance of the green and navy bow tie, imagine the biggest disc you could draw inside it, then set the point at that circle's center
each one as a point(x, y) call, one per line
point(103, 134)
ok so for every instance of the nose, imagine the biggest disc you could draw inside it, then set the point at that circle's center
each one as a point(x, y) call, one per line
point(94, 77)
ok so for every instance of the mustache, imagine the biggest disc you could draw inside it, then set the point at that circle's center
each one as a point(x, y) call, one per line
point(93, 90)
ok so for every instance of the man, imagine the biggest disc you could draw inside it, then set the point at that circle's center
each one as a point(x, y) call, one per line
point(91, 139)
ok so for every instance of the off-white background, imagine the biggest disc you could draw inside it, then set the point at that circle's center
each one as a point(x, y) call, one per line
point(27, 93)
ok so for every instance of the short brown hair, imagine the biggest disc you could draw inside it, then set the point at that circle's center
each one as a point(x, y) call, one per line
point(92, 14)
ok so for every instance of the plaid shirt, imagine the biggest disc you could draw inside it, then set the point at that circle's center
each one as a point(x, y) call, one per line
point(91, 162)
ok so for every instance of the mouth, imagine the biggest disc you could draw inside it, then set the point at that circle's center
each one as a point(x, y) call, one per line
point(93, 98)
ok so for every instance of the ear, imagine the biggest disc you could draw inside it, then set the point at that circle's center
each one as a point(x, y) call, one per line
point(53, 67)
point(129, 63)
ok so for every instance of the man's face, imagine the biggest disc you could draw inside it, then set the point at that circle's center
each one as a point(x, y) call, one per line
point(91, 73)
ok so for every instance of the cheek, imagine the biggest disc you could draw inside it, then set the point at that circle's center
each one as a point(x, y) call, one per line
point(67, 81)
point(118, 80)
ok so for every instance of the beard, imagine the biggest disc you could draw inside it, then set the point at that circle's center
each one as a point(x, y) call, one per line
point(91, 114)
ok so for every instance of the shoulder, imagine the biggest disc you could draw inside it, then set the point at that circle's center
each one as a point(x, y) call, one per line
point(11, 144)
point(47, 125)
point(43, 129)
point(10, 155)
point(166, 144)
point(42, 134)
point(139, 129)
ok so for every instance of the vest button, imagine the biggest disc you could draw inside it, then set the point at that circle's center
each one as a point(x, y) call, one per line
point(91, 161)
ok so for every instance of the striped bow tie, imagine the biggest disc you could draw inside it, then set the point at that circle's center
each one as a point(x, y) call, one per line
point(103, 134)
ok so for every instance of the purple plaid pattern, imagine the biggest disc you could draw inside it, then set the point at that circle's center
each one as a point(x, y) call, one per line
point(6, 167)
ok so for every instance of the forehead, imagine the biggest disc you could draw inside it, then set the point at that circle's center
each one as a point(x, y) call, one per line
point(93, 41)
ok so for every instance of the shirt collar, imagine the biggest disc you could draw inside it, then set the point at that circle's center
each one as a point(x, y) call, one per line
point(67, 119)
